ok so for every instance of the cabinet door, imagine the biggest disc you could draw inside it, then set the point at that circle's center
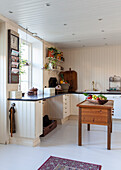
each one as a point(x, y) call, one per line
point(74, 102)
point(25, 119)
point(39, 118)
point(81, 98)
point(117, 105)
point(66, 105)
point(55, 107)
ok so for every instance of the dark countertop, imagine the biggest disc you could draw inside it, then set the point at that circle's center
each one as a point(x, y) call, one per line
point(47, 96)
point(106, 93)
point(36, 97)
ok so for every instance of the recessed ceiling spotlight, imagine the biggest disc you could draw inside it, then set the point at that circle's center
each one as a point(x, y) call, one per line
point(47, 4)
point(102, 30)
point(100, 19)
point(10, 12)
point(34, 34)
point(73, 34)
point(65, 24)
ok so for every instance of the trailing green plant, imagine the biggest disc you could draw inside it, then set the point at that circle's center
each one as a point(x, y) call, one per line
point(22, 62)
point(53, 61)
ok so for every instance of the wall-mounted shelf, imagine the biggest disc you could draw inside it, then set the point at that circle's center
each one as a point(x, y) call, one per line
point(55, 59)
point(114, 83)
point(56, 70)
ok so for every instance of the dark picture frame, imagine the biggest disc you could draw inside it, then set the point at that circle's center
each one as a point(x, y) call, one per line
point(13, 51)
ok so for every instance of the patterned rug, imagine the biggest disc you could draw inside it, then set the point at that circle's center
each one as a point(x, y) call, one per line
point(55, 163)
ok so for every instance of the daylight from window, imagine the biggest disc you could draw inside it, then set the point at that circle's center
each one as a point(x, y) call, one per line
point(25, 75)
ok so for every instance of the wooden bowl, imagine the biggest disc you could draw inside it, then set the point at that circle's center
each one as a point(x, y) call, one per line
point(101, 102)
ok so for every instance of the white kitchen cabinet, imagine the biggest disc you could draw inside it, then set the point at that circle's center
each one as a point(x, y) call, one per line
point(75, 99)
point(66, 105)
point(74, 102)
point(117, 105)
point(81, 98)
point(59, 107)
point(29, 122)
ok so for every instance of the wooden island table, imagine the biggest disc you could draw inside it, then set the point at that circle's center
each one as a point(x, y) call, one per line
point(90, 113)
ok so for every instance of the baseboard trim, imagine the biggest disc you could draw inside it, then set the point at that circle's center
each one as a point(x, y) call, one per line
point(24, 141)
point(73, 117)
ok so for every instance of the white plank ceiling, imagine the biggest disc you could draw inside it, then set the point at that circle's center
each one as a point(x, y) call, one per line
point(81, 16)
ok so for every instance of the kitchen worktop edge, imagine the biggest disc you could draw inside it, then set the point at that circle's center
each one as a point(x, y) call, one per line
point(47, 96)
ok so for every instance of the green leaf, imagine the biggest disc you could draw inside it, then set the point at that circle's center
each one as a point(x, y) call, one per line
point(85, 94)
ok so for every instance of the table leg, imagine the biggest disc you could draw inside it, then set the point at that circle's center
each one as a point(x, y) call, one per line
point(79, 129)
point(109, 137)
point(111, 125)
point(88, 127)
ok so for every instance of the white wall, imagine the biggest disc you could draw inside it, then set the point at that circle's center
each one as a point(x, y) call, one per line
point(3, 83)
point(94, 63)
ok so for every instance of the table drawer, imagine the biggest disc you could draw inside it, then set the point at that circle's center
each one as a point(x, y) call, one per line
point(94, 112)
point(94, 120)
point(94, 116)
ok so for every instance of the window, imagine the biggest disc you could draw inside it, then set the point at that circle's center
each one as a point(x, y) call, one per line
point(25, 77)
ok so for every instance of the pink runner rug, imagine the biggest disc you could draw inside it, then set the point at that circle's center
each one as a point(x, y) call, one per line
point(56, 163)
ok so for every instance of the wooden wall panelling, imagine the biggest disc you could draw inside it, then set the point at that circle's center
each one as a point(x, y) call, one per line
point(94, 63)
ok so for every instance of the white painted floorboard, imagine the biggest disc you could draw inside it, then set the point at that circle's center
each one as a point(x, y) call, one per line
point(62, 142)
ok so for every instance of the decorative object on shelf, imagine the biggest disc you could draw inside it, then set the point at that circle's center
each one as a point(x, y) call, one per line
point(58, 89)
point(34, 90)
point(64, 84)
point(30, 93)
point(114, 83)
point(52, 63)
point(13, 57)
point(69, 77)
point(52, 52)
point(65, 87)
point(54, 56)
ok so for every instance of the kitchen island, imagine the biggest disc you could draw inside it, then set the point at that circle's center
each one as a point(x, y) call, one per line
point(90, 113)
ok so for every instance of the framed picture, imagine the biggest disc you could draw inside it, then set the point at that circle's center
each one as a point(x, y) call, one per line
point(14, 42)
point(13, 57)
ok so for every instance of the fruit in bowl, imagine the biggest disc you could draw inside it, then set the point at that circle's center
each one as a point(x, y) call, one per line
point(100, 99)
point(89, 97)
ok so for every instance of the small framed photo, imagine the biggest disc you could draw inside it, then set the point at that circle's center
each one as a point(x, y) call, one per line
point(14, 42)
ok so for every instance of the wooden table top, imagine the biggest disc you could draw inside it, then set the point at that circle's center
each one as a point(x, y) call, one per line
point(86, 103)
